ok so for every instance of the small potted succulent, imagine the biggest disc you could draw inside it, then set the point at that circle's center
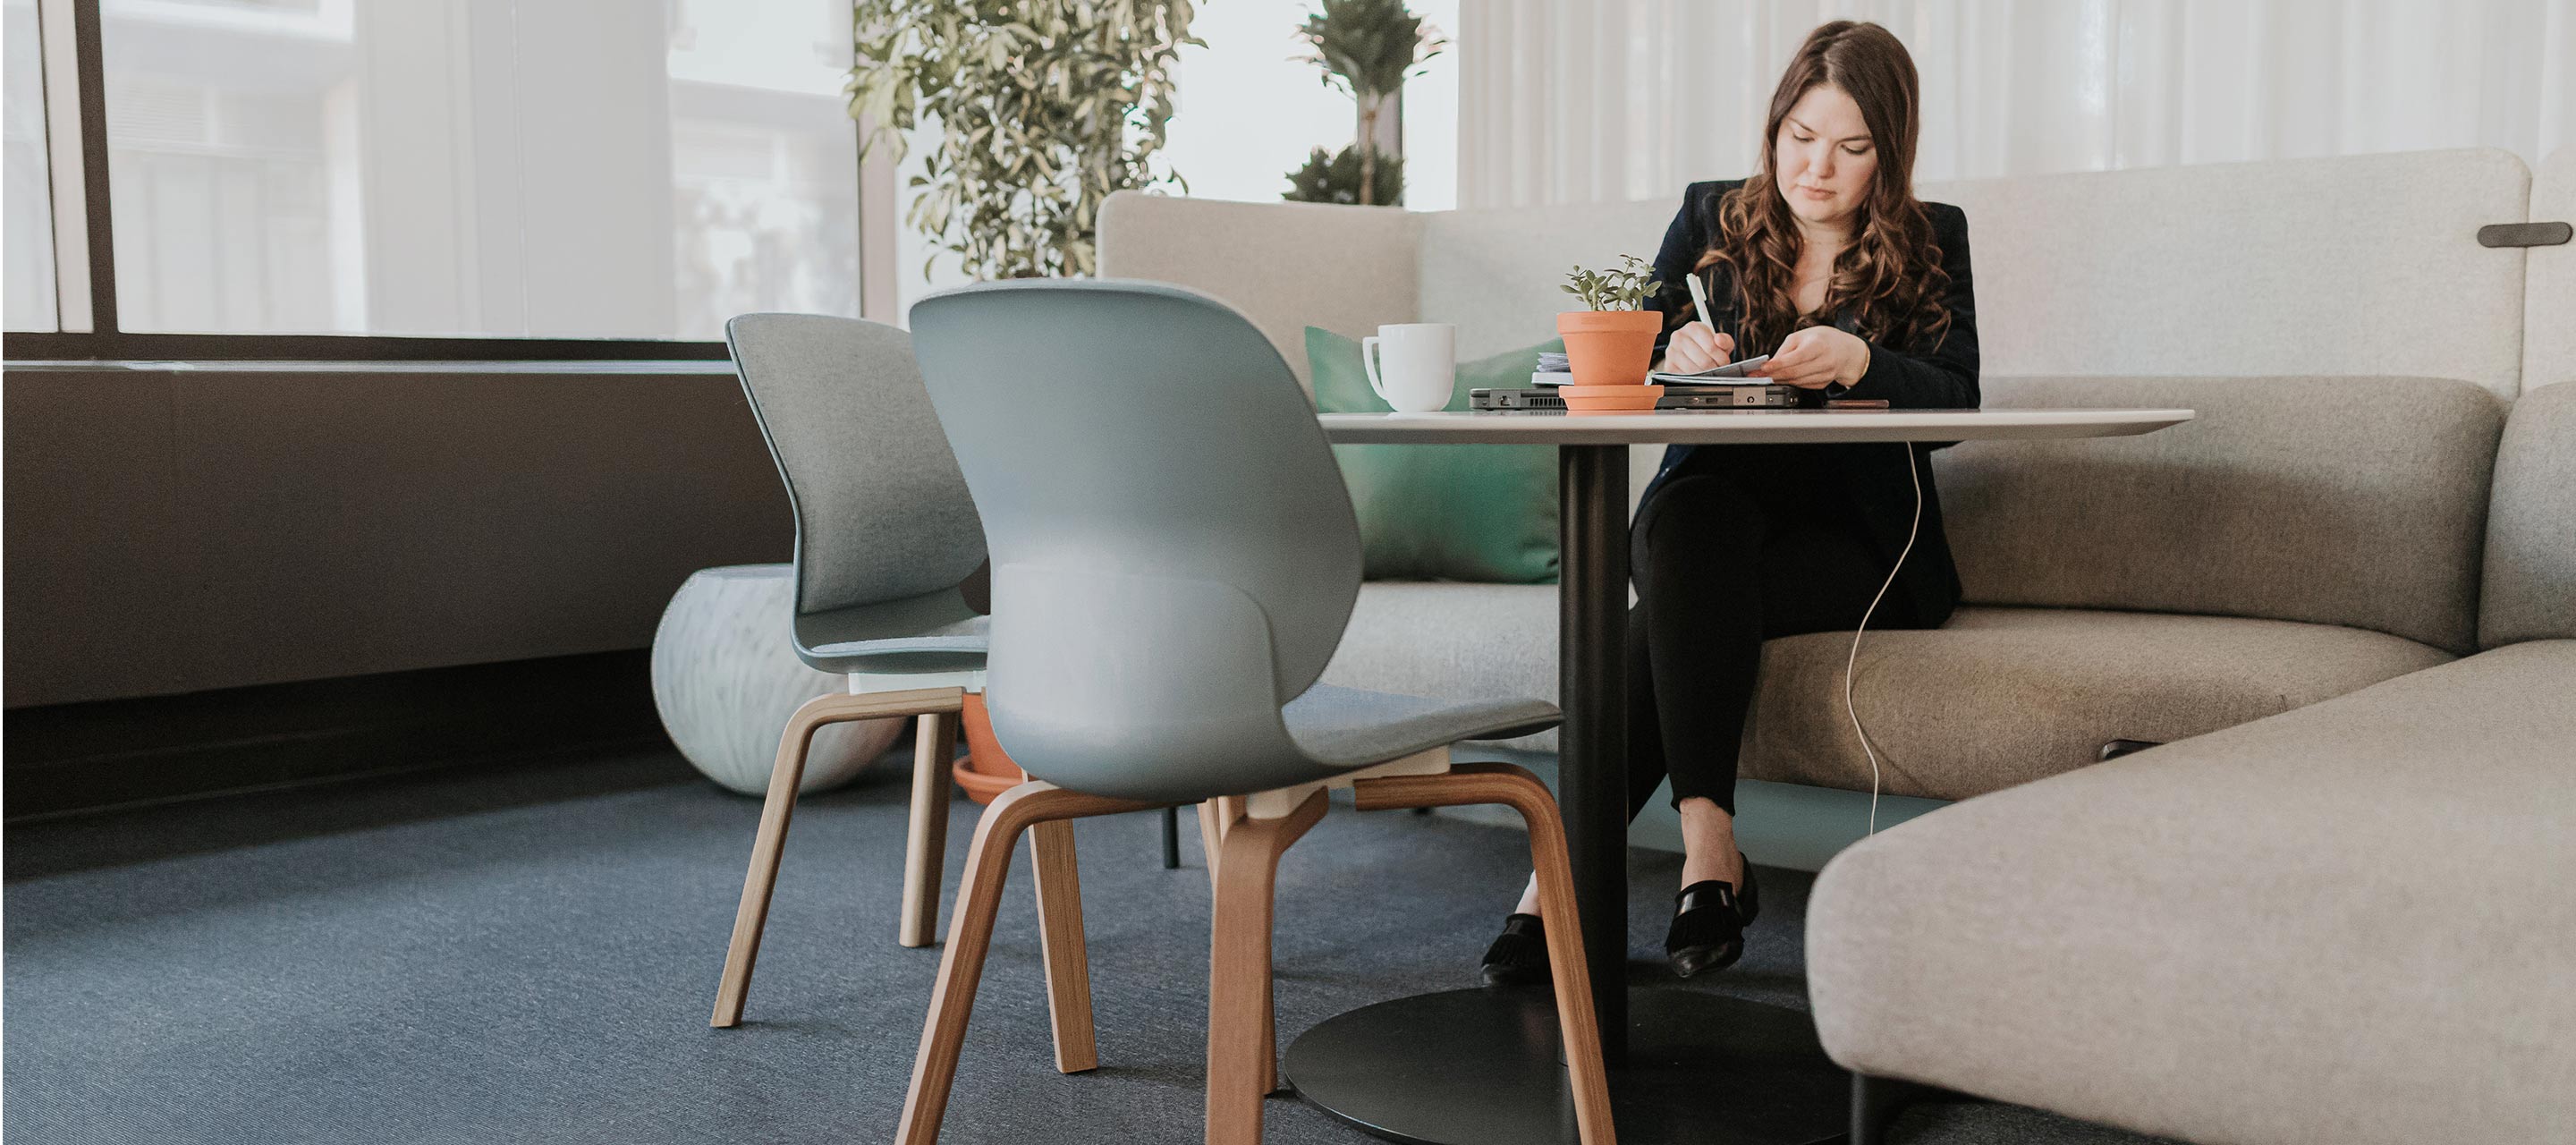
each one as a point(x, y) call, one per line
point(1611, 341)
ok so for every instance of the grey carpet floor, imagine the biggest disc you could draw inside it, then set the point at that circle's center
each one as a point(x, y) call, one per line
point(531, 957)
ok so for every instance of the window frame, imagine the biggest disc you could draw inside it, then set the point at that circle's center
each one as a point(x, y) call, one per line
point(106, 341)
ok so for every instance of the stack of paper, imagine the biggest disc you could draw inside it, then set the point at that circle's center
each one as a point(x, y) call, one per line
point(1553, 370)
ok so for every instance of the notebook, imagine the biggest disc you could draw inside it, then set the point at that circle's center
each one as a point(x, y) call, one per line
point(1674, 397)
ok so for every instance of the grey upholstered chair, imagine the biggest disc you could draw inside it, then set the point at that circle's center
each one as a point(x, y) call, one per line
point(1174, 558)
point(886, 538)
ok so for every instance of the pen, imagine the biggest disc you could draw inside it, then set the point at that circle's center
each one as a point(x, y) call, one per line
point(1699, 298)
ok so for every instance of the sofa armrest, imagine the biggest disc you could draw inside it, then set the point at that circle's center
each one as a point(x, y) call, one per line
point(1286, 266)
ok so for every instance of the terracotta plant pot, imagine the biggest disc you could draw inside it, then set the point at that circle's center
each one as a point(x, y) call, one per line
point(1609, 399)
point(1610, 347)
point(986, 771)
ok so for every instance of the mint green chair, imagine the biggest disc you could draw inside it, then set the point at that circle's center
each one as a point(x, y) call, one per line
point(887, 540)
point(1174, 558)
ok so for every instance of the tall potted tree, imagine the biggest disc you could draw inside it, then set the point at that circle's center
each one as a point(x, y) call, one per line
point(1367, 49)
point(1044, 109)
point(1328, 177)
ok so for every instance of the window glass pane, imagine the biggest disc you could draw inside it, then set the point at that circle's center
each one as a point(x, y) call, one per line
point(764, 160)
point(531, 168)
point(29, 299)
point(1250, 108)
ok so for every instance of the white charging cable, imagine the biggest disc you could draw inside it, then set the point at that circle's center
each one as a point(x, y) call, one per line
point(1912, 474)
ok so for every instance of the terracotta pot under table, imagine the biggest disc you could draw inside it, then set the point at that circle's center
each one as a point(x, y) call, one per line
point(986, 771)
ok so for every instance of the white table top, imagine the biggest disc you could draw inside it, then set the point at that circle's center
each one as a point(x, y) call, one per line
point(1737, 427)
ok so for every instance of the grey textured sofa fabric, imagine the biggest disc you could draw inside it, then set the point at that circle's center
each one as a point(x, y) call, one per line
point(1452, 641)
point(2003, 696)
point(2082, 943)
point(2531, 531)
point(2353, 501)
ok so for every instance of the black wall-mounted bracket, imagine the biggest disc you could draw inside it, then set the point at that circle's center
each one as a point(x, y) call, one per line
point(2525, 234)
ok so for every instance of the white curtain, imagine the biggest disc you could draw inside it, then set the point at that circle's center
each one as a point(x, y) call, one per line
point(1566, 101)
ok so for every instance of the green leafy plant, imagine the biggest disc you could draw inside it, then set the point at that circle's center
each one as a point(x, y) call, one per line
point(1623, 287)
point(1044, 108)
point(1367, 48)
point(1331, 178)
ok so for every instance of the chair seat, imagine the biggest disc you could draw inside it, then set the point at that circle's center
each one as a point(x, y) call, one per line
point(957, 647)
point(1348, 728)
point(1446, 638)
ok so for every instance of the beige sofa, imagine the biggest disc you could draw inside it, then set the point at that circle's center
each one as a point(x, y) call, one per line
point(2282, 591)
point(2127, 288)
point(2352, 922)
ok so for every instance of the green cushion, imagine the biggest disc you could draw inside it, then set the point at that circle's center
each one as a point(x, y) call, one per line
point(1443, 512)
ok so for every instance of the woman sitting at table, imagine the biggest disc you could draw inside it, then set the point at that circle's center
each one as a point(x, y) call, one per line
point(1858, 289)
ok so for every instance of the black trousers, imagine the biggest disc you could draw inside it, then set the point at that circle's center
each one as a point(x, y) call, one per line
point(1740, 545)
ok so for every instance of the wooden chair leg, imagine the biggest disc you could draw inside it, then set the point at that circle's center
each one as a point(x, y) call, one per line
point(776, 809)
point(1068, 962)
point(784, 777)
point(925, 842)
point(1517, 788)
point(970, 934)
point(1214, 817)
point(1211, 838)
point(1243, 1043)
point(752, 914)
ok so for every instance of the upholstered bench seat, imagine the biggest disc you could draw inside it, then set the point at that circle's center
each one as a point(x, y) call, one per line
point(2247, 584)
point(2347, 922)
point(2001, 696)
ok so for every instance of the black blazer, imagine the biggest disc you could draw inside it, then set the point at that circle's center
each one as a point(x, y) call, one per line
point(1917, 374)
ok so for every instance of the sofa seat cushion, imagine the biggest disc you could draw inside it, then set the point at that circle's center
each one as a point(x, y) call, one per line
point(2345, 923)
point(2004, 696)
point(1452, 641)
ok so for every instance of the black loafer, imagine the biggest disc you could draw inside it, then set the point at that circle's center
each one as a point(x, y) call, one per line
point(1518, 956)
point(1709, 918)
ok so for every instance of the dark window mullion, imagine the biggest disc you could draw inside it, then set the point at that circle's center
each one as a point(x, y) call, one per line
point(26, 347)
point(90, 86)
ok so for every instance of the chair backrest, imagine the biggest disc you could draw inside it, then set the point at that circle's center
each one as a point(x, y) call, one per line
point(1174, 552)
point(883, 519)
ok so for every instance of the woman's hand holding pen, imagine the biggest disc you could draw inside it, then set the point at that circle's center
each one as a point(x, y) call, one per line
point(1813, 358)
point(1695, 347)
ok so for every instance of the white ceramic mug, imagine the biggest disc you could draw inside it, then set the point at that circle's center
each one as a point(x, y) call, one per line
point(1421, 365)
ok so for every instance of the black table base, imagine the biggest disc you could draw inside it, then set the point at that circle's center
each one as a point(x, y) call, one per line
point(1482, 1067)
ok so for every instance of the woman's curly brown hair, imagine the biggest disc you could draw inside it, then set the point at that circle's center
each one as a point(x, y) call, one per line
point(1889, 276)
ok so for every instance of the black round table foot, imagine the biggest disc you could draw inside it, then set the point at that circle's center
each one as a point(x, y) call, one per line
point(1483, 1067)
